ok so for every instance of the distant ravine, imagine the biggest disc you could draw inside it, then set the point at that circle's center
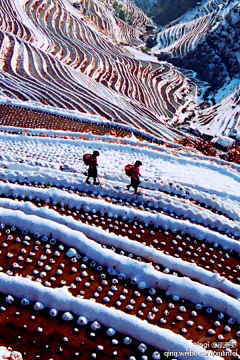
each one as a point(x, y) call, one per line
point(164, 11)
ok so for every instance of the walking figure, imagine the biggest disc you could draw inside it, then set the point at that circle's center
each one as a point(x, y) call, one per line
point(92, 170)
point(135, 176)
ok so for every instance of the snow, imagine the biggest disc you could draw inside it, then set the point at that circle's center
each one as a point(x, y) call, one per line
point(175, 171)
point(221, 120)
point(144, 274)
point(73, 115)
point(181, 191)
point(226, 90)
point(201, 174)
point(41, 40)
point(138, 249)
point(139, 55)
point(9, 354)
point(223, 141)
point(62, 300)
point(181, 37)
point(60, 197)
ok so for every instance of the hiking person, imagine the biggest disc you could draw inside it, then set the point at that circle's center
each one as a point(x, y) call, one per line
point(92, 170)
point(135, 176)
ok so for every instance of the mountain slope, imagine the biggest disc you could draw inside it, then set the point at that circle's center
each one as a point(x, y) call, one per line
point(207, 43)
point(94, 270)
point(82, 69)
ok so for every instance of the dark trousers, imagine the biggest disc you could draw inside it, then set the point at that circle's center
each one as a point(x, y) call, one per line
point(134, 183)
point(92, 173)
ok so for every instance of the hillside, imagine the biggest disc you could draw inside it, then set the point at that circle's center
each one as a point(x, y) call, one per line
point(205, 41)
point(161, 11)
point(95, 271)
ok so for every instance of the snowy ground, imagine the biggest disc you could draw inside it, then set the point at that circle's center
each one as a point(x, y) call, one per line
point(204, 173)
point(160, 268)
point(180, 190)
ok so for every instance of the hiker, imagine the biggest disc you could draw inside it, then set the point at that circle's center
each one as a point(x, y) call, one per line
point(135, 176)
point(92, 170)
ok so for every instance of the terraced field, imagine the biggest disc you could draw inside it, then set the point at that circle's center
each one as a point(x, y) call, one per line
point(183, 35)
point(68, 63)
point(92, 271)
point(168, 258)
point(197, 41)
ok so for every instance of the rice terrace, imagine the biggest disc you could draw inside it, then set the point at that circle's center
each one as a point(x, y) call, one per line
point(100, 261)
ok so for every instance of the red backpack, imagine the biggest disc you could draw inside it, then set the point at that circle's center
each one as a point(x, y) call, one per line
point(86, 159)
point(128, 170)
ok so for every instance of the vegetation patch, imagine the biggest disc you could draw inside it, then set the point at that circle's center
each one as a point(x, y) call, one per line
point(122, 13)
